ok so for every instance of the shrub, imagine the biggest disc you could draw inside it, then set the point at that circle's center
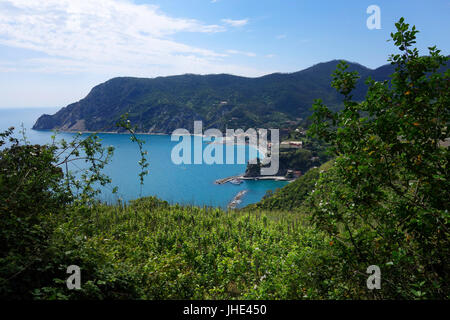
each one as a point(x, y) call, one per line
point(385, 201)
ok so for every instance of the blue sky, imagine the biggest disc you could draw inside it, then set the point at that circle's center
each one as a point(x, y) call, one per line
point(52, 52)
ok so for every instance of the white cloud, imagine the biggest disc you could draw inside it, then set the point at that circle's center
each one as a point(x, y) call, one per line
point(235, 23)
point(281, 36)
point(108, 37)
point(248, 54)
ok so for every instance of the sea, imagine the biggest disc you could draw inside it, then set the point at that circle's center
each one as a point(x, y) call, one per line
point(186, 184)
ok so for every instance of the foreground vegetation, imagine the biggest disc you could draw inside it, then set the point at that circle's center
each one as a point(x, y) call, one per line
point(382, 201)
point(150, 250)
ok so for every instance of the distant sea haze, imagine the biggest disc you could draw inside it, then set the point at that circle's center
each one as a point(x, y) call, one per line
point(184, 184)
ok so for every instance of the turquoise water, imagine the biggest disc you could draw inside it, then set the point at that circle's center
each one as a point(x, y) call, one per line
point(184, 184)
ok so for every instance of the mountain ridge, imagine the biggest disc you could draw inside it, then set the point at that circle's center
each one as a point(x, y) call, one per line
point(163, 104)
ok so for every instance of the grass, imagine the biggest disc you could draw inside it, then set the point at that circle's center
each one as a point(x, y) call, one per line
point(152, 250)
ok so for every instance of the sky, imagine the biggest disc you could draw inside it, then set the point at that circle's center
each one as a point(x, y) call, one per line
point(52, 52)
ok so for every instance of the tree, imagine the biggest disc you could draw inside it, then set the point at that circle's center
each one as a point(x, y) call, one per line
point(35, 192)
point(386, 198)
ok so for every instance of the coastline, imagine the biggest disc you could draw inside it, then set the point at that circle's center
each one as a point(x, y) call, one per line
point(105, 132)
point(261, 150)
point(226, 141)
point(242, 177)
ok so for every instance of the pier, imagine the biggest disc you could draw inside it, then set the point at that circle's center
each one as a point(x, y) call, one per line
point(225, 180)
point(237, 199)
point(276, 178)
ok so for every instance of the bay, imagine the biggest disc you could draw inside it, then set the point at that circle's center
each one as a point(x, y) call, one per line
point(184, 184)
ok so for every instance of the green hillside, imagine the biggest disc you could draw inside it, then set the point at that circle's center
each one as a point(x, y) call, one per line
point(164, 104)
point(291, 197)
point(150, 250)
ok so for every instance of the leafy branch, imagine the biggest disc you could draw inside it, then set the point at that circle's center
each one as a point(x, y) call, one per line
point(125, 123)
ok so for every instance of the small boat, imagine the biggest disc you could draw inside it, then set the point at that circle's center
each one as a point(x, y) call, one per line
point(236, 181)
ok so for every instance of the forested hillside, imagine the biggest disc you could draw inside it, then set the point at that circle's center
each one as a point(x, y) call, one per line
point(163, 104)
